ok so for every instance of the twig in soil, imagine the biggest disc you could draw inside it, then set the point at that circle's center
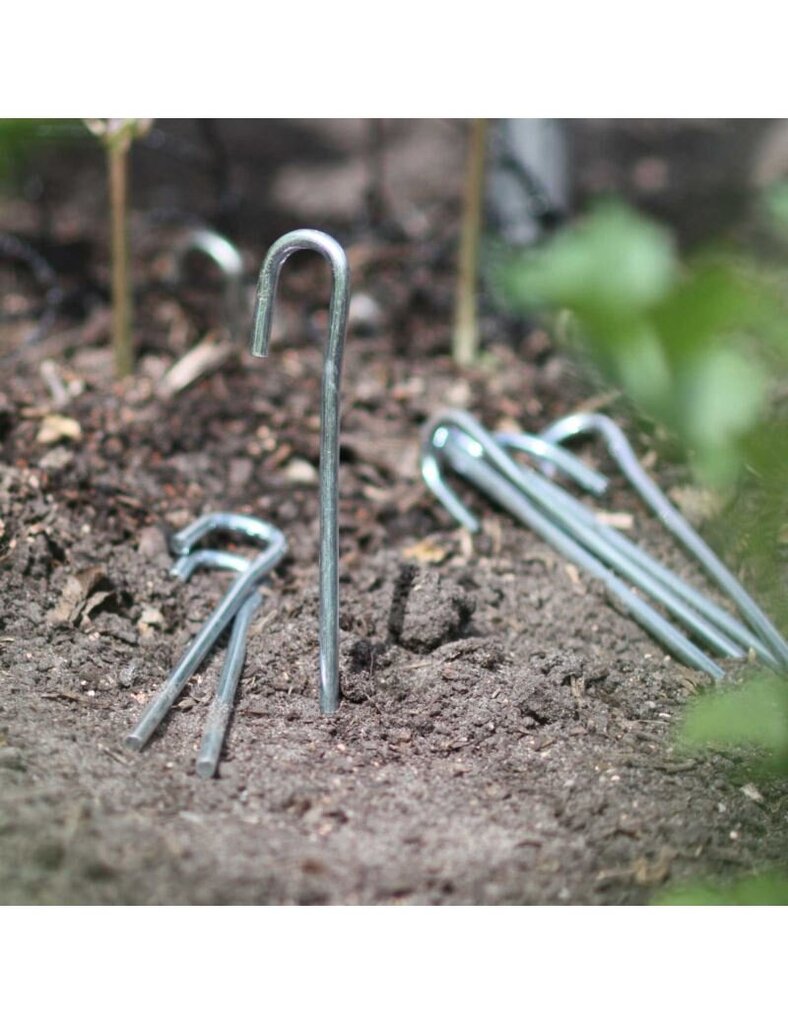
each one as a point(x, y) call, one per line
point(206, 357)
point(329, 428)
point(113, 754)
point(54, 382)
point(117, 135)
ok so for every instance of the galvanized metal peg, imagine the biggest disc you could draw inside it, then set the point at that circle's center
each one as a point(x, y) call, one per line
point(220, 618)
point(222, 704)
point(544, 508)
point(621, 451)
point(223, 253)
point(328, 247)
point(715, 624)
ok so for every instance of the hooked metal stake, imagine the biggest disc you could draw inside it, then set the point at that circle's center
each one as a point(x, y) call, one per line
point(644, 570)
point(328, 247)
point(622, 453)
point(242, 588)
point(228, 259)
point(222, 704)
point(572, 528)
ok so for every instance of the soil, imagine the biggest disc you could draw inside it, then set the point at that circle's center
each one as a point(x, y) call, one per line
point(505, 734)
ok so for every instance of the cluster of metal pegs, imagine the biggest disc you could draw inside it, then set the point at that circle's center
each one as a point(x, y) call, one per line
point(238, 607)
point(453, 439)
point(691, 625)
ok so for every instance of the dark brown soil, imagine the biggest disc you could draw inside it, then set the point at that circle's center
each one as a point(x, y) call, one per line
point(505, 736)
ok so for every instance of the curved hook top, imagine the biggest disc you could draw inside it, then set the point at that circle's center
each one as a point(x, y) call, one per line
point(307, 238)
point(597, 423)
point(228, 259)
point(293, 241)
point(435, 435)
point(210, 558)
point(621, 451)
point(184, 540)
point(218, 248)
point(458, 426)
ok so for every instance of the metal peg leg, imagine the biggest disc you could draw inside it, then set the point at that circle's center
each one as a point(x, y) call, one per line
point(232, 602)
point(329, 429)
point(222, 704)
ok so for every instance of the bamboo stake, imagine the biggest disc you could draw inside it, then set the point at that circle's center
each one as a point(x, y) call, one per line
point(118, 168)
point(466, 326)
point(117, 135)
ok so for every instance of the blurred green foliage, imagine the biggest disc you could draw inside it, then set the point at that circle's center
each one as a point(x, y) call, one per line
point(775, 207)
point(693, 345)
point(22, 138)
point(752, 715)
point(763, 890)
point(700, 347)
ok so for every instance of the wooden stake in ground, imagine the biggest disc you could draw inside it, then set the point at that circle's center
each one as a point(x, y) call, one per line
point(117, 134)
point(466, 327)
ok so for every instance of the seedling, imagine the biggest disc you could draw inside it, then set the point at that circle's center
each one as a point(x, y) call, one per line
point(466, 323)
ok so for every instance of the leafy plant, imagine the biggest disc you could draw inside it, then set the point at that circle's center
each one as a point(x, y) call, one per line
point(690, 345)
point(702, 348)
point(22, 137)
point(762, 890)
point(465, 342)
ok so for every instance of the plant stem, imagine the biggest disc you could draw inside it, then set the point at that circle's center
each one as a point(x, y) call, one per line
point(466, 326)
point(117, 165)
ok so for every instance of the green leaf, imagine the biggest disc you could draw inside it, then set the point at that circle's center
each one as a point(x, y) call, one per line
point(765, 890)
point(722, 396)
point(775, 202)
point(22, 137)
point(713, 300)
point(753, 714)
point(613, 262)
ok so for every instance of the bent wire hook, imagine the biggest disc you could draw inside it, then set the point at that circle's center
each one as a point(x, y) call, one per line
point(621, 451)
point(528, 498)
point(317, 241)
point(228, 259)
point(241, 589)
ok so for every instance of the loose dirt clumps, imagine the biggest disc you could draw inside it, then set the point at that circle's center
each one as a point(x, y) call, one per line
point(505, 735)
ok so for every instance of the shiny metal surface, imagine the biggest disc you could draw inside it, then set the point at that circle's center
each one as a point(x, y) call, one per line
point(457, 439)
point(621, 451)
point(321, 243)
point(228, 259)
point(240, 590)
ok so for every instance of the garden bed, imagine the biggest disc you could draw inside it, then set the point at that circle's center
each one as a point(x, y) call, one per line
point(505, 734)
